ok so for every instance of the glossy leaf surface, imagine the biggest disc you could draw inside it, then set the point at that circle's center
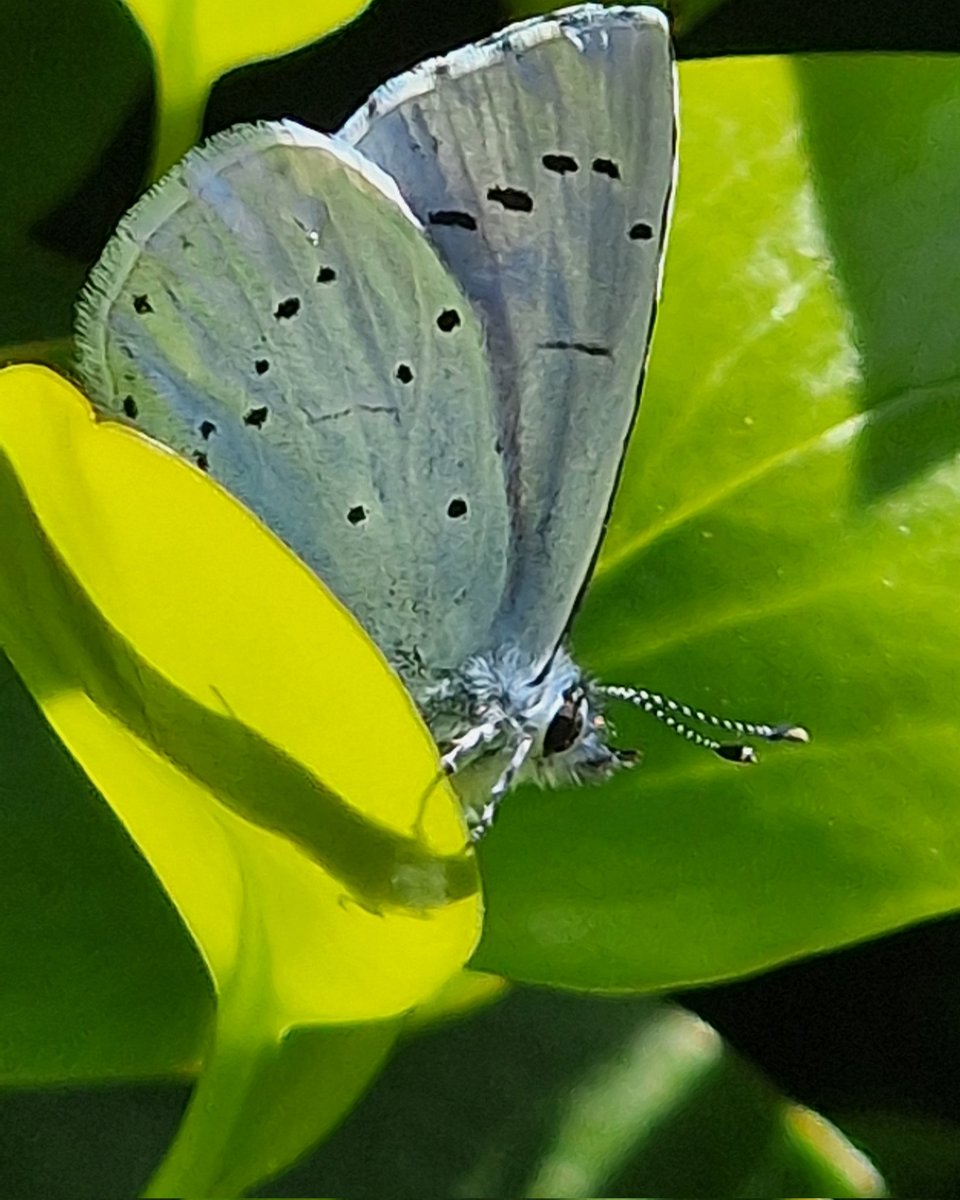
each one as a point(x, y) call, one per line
point(748, 571)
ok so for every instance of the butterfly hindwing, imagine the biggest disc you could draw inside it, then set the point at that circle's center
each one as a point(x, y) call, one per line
point(541, 164)
point(273, 311)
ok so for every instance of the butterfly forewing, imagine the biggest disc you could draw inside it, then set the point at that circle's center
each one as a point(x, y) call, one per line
point(273, 311)
point(541, 164)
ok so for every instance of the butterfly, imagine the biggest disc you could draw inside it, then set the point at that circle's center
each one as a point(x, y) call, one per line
point(414, 349)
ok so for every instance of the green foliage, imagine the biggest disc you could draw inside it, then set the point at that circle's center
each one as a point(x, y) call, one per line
point(558, 1095)
point(783, 546)
point(747, 571)
point(100, 982)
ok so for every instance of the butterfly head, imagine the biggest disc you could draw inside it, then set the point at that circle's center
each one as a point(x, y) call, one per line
point(502, 719)
point(570, 732)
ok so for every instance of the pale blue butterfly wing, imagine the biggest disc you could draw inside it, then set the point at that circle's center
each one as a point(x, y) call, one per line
point(541, 164)
point(414, 351)
point(272, 310)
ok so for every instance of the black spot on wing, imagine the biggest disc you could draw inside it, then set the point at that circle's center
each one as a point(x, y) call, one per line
point(457, 507)
point(326, 275)
point(561, 164)
point(641, 232)
point(201, 460)
point(591, 348)
point(357, 514)
point(606, 166)
point(206, 428)
point(512, 199)
point(130, 407)
point(141, 304)
point(262, 366)
point(448, 320)
point(287, 308)
point(404, 373)
point(256, 417)
point(452, 217)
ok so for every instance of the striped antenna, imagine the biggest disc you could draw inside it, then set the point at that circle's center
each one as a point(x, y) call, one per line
point(672, 713)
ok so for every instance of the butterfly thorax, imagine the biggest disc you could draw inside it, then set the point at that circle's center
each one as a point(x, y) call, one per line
point(503, 718)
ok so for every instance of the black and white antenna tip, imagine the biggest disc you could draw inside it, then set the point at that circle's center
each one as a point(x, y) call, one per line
point(736, 753)
point(790, 733)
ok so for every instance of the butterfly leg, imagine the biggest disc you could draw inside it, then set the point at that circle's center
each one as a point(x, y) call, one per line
point(501, 787)
point(479, 735)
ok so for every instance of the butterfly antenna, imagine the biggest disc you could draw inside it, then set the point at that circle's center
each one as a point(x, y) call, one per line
point(672, 713)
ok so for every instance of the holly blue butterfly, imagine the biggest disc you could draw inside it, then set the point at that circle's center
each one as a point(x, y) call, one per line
point(414, 349)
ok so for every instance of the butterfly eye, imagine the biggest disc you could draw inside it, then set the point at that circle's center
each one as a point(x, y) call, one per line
point(567, 724)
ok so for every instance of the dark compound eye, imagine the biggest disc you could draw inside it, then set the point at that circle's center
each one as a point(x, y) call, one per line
point(567, 724)
point(357, 514)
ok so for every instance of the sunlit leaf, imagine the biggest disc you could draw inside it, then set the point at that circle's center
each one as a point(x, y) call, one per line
point(746, 572)
point(459, 996)
point(220, 700)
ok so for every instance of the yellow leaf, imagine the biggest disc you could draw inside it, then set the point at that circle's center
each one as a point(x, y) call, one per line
point(214, 691)
point(257, 748)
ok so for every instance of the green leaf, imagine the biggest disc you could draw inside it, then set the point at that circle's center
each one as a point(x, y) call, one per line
point(549, 1094)
point(99, 981)
point(261, 1103)
point(744, 572)
point(79, 97)
point(74, 76)
point(688, 14)
point(918, 1153)
point(216, 696)
point(887, 177)
point(196, 41)
point(458, 997)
